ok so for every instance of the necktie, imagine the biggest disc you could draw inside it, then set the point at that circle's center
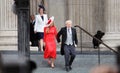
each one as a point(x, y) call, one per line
point(69, 30)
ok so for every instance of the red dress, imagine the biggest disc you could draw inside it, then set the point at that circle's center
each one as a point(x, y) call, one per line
point(50, 42)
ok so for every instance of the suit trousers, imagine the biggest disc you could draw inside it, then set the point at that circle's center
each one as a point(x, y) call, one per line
point(69, 54)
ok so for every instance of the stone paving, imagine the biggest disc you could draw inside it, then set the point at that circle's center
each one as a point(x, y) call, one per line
point(82, 64)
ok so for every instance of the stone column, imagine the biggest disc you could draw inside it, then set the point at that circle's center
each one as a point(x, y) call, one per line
point(23, 27)
point(34, 5)
point(98, 15)
point(81, 13)
point(112, 26)
point(57, 8)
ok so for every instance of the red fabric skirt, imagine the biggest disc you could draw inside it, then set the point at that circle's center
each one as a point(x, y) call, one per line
point(50, 50)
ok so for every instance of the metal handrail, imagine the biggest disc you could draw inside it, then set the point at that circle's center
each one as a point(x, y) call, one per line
point(98, 40)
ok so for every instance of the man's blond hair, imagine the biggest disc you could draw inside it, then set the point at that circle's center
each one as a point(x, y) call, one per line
point(68, 22)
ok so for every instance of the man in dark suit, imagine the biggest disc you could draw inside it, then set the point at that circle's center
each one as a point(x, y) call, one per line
point(33, 37)
point(69, 42)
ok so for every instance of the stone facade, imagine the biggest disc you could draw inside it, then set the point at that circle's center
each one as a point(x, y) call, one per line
point(112, 22)
point(92, 15)
point(8, 26)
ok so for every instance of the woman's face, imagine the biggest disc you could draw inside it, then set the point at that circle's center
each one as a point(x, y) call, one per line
point(41, 10)
point(52, 23)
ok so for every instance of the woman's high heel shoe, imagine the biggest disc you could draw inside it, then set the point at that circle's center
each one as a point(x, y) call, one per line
point(52, 65)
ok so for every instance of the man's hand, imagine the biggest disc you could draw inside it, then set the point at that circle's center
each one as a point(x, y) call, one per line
point(75, 45)
point(60, 43)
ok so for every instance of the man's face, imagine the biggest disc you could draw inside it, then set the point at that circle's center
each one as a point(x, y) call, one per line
point(68, 25)
point(32, 17)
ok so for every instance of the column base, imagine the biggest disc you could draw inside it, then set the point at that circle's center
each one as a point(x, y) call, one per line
point(111, 39)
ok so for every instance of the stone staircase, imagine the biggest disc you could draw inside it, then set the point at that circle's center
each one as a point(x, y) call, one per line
point(8, 40)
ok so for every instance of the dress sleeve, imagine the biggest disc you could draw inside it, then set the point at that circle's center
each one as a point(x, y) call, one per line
point(36, 22)
point(46, 19)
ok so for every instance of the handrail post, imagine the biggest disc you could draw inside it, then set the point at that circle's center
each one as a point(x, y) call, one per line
point(98, 55)
point(81, 40)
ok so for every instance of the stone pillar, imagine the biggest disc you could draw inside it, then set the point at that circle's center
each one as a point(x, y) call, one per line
point(34, 6)
point(81, 13)
point(7, 17)
point(112, 26)
point(98, 15)
point(57, 8)
point(23, 27)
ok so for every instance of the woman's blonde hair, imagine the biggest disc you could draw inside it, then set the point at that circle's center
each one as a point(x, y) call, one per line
point(48, 28)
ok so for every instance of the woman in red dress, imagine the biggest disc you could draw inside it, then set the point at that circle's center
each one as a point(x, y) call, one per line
point(50, 34)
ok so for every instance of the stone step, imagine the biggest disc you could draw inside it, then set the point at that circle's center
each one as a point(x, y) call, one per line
point(8, 40)
point(6, 48)
point(8, 33)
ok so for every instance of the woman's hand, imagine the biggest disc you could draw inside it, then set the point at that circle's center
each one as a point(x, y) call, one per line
point(44, 43)
point(60, 43)
point(35, 32)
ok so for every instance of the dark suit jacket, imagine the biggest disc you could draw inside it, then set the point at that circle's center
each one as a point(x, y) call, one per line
point(63, 34)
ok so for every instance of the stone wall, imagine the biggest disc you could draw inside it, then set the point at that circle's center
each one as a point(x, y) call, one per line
point(8, 20)
point(95, 15)
point(81, 13)
point(92, 15)
point(112, 22)
point(8, 26)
